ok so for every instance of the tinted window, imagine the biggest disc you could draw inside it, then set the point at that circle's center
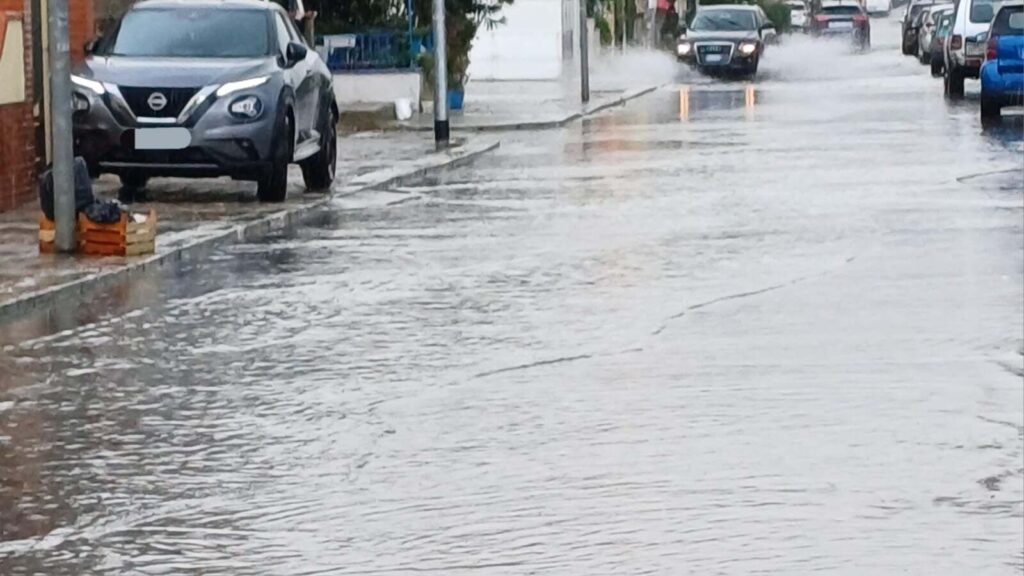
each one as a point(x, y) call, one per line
point(1009, 22)
point(724, 20)
point(945, 25)
point(840, 10)
point(192, 33)
point(916, 10)
point(981, 11)
point(283, 36)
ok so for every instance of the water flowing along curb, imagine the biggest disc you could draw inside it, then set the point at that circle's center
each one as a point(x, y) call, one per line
point(209, 236)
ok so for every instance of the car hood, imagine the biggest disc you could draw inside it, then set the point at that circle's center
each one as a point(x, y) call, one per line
point(701, 35)
point(171, 72)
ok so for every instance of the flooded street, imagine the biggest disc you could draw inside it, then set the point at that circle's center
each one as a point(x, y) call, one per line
point(730, 328)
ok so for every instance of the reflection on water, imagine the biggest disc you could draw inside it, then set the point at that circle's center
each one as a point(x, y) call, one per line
point(703, 98)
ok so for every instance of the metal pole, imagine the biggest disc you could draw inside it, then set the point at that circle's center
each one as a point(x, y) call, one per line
point(409, 17)
point(440, 77)
point(60, 109)
point(584, 54)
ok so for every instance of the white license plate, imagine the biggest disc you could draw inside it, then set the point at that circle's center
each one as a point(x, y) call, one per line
point(162, 138)
point(713, 58)
point(975, 49)
point(840, 25)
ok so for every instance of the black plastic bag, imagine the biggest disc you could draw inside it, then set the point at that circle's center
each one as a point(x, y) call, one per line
point(83, 188)
point(103, 212)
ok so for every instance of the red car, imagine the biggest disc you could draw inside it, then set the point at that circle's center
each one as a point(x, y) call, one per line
point(842, 18)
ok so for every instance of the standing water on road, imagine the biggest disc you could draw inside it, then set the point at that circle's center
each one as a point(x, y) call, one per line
point(729, 328)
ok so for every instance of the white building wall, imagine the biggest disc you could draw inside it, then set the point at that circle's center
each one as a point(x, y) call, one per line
point(527, 47)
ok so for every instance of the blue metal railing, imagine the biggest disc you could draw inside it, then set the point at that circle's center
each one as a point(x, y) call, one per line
point(375, 50)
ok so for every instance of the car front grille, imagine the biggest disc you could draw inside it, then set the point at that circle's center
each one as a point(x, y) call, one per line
point(175, 99)
point(721, 50)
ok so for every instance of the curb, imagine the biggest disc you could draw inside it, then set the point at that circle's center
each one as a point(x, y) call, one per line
point(539, 124)
point(200, 247)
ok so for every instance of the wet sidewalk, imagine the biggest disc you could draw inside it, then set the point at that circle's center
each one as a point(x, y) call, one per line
point(192, 211)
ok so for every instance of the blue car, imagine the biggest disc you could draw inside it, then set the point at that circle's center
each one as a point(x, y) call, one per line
point(1002, 74)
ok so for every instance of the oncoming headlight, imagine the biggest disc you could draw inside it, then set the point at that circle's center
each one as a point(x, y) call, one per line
point(683, 48)
point(748, 48)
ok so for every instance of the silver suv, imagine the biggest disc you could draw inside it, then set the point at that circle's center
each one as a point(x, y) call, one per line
point(206, 88)
point(965, 46)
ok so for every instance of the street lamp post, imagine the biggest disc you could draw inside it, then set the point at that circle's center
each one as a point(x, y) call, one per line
point(60, 109)
point(441, 128)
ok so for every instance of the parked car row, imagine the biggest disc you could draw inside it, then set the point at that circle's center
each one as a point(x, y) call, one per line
point(971, 39)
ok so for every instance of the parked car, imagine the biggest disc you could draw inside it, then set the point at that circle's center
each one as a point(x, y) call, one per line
point(797, 14)
point(839, 18)
point(1002, 74)
point(965, 49)
point(206, 88)
point(878, 7)
point(728, 38)
point(911, 24)
point(938, 44)
point(930, 23)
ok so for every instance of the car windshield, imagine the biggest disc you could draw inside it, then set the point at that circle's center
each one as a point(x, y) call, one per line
point(192, 33)
point(945, 25)
point(724, 20)
point(915, 11)
point(840, 10)
point(1009, 22)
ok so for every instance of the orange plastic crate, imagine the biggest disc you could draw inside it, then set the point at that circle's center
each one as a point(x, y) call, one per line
point(122, 238)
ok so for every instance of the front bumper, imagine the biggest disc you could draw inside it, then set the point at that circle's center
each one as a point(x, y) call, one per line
point(731, 61)
point(220, 144)
point(1007, 88)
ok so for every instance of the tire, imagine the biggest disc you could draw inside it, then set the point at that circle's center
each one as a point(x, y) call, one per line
point(134, 180)
point(953, 83)
point(936, 67)
point(908, 50)
point(990, 110)
point(272, 185)
point(318, 170)
point(924, 57)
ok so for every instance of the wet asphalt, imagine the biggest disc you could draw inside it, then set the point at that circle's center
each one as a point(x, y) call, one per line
point(731, 328)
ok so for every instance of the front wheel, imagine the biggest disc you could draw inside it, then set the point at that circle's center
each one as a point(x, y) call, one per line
point(908, 50)
point(923, 56)
point(319, 170)
point(936, 67)
point(272, 185)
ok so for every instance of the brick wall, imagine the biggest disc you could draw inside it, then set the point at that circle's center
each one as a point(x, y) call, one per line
point(17, 128)
point(17, 124)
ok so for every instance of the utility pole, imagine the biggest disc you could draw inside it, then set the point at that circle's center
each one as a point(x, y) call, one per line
point(60, 110)
point(440, 77)
point(584, 54)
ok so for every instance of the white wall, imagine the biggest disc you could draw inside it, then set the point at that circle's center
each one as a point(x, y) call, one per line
point(385, 87)
point(527, 47)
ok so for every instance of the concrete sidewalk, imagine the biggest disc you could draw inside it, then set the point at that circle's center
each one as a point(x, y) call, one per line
point(195, 215)
point(504, 105)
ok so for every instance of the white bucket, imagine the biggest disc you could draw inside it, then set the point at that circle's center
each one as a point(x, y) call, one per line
point(403, 108)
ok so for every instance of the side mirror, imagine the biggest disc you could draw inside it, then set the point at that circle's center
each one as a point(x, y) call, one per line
point(294, 54)
point(89, 47)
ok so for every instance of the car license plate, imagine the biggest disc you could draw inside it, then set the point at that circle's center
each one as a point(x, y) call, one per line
point(713, 58)
point(841, 25)
point(162, 138)
point(975, 49)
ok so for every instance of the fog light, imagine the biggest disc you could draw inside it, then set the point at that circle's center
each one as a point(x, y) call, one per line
point(246, 107)
point(79, 103)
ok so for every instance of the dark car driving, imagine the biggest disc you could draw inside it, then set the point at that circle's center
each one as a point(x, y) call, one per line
point(842, 18)
point(206, 88)
point(726, 39)
point(911, 26)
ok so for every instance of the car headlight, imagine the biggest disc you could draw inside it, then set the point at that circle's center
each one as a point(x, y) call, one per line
point(683, 48)
point(246, 107)
point(89, 84)
point(241, 85)
point(748, 48)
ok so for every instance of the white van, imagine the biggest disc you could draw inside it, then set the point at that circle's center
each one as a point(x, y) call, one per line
point(965, 47)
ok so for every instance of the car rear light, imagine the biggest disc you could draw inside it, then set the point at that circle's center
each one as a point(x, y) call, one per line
point(956, 42)
point(860, 18)
point(993, 48)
